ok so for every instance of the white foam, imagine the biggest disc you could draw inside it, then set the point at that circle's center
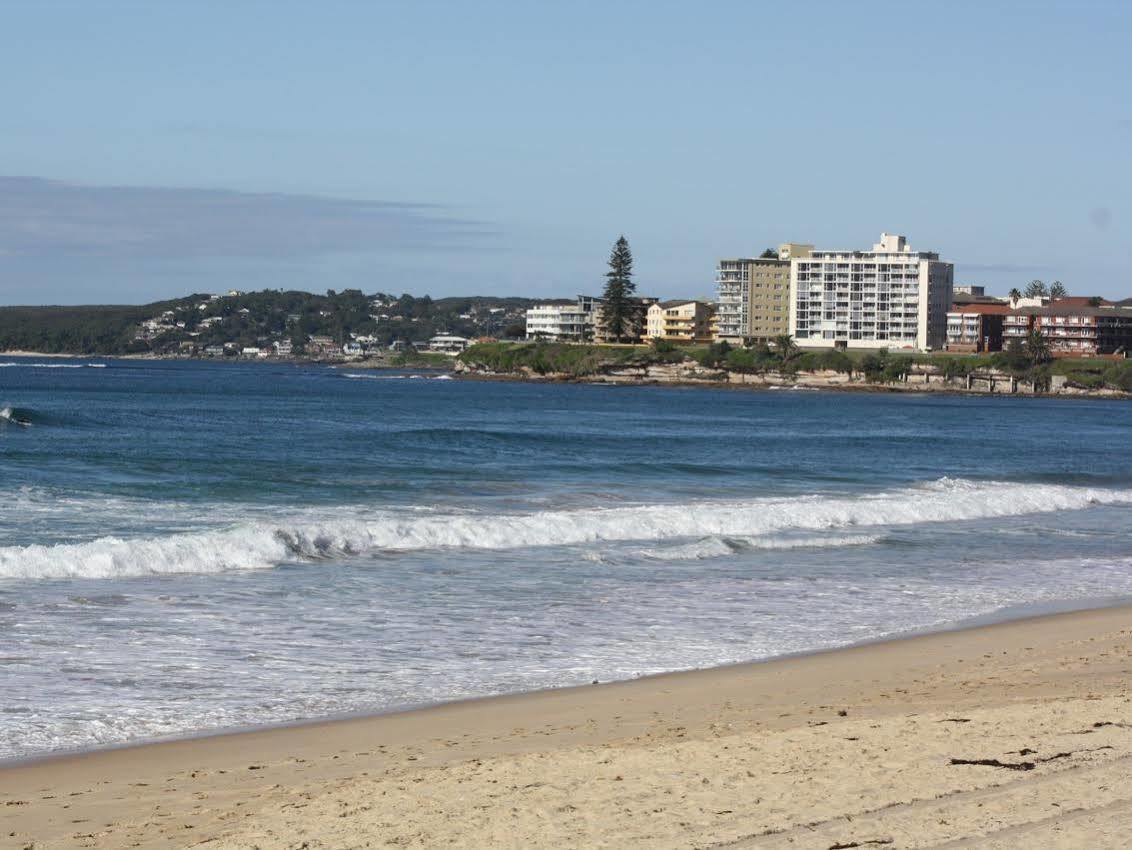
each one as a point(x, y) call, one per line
point(716, 547)
point(367, 377)
point(10, 365)
point(261, 545)
point(7, 415)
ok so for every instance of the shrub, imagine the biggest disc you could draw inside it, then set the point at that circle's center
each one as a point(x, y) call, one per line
point(834, 361)
point(893, 371)
point(1119, 376)
point(714, 356)
point(1085, 380)
point(957, 367)
point(742, 360)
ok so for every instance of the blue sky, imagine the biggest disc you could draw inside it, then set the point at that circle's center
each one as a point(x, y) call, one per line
point(153, 149)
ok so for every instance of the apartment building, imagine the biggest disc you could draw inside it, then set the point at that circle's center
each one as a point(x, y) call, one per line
point(680, 321)
point(754, 295)
point(974, 328)
point(1074, 327)
point(562, 321)
point(888, 297)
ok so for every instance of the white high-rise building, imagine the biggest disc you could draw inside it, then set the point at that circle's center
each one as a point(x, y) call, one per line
point(889, 297)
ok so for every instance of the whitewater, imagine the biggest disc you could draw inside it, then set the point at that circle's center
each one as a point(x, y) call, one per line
point(188, 547)
point(264, 545)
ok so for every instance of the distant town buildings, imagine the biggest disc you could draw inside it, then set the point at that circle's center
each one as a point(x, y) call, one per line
point(890, 297)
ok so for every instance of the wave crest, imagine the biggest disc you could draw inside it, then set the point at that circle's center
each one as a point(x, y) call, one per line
point(258, 545)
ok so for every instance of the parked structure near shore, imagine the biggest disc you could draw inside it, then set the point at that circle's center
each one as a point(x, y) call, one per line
point(888, 297)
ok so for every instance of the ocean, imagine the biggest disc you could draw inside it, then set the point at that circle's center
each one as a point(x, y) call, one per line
point(189, 546)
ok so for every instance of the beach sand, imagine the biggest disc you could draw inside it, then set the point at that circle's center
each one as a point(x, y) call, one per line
point(850, 748)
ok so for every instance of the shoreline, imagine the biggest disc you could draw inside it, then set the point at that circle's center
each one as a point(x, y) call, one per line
point(852, 388)
point(604, 380)
point(1022, 613)
point(661, 734)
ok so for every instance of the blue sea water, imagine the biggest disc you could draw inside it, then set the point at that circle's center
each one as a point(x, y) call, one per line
point(193, 546)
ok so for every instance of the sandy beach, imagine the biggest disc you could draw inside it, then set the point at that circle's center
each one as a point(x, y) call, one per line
point(1014, 734)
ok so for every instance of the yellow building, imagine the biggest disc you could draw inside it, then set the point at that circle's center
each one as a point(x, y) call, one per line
point(680, 321)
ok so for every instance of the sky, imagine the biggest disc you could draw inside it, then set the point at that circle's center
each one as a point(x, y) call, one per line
point(150, 150)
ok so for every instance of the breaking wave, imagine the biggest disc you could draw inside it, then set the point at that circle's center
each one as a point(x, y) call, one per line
point(16, 416)
point(398, 377)
point(262, 545)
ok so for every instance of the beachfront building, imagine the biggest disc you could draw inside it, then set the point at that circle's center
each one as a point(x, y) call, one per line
point(754, 295)
point(974, 328)
point(562, 321)
point(1073, 327)
point(887, 297)
point(680, 321)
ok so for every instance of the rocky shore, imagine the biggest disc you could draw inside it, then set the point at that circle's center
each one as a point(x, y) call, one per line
point(919, 378)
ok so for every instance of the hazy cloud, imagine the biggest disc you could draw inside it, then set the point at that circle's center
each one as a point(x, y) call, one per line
point(47, 218)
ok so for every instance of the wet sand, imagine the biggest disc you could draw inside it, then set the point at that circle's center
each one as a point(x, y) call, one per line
point(1013, 735)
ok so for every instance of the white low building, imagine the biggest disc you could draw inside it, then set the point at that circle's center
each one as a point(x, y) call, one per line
point(447, 344)
point(562, 321)
point(889, 297)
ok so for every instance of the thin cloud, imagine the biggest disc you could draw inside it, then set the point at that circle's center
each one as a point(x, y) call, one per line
point(47, 218)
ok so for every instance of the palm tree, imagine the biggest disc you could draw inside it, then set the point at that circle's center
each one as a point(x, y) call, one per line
point(785, 347)
point(1037, 347)
point(1015, 296)
point(1057, 290)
